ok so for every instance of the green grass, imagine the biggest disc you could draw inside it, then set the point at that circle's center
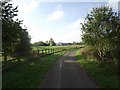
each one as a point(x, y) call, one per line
point(104, 75)
point(55, 47)
point(29, 74)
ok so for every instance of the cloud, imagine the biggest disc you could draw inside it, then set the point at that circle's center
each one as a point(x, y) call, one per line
point(38, 33)
point(26, 6)
point(113, 4)
point(29, 6)
point(75, 29)
point(76, 24)
point(58, 7)
point(74, 0)
point(72, 32)
point(56, 15)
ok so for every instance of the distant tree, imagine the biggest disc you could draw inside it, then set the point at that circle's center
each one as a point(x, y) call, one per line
point(40, 43)
point(51, 42)
point(47, 43)
point(35, 44)
point(100, 30)
point(74, 43)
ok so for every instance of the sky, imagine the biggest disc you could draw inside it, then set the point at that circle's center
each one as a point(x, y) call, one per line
point(57, 19)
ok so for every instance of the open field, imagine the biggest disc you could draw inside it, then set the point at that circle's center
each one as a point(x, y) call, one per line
point(37, 52)
point(56, 47)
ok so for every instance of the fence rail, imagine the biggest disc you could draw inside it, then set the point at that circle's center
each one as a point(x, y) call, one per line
point(23, 56)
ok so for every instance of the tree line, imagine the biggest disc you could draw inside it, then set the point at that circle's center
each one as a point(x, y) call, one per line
point(15, 38)
point(101, 32)
point(50, 42)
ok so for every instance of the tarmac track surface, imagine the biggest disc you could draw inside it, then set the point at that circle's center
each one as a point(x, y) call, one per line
point(67, 73)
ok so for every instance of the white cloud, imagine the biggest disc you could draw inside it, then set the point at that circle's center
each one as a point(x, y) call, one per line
point(26, 6)
point(72, 32)
point(113, 4)
point(58, 7)
point(76, 24)
point(38, 34)
point(29, 6)
point(74, 0)
point(56, 15)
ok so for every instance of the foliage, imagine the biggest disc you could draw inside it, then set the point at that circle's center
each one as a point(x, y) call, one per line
point(29, 74)
point(40, 43)
point(51, 42)
point(15, 38)
point(47, 43)
point(104, 74)
point(101, 31)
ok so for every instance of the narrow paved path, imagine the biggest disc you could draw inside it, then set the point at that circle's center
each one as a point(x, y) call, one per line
point(67, 73)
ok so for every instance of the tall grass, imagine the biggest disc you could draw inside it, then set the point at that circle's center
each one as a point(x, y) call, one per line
point(104, 74)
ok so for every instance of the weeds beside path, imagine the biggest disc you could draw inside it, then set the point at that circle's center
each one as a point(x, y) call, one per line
point(104, 75)
point(29, 74)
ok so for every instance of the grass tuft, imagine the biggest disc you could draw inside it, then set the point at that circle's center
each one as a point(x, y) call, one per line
point(29, 74)
point(105, 76)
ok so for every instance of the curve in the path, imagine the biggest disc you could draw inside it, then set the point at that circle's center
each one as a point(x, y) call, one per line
point(67, 73)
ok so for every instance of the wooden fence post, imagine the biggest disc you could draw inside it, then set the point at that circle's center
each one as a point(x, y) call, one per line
point(18, 58)
point(54, 51)
point(33, 52)
point(45, 51)
point(38, 52)
point(48, 51)
point(42, 51)
point(51, 51)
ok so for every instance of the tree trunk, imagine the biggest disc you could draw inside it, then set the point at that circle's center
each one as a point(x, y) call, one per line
point(5, 59)
point(101, 55)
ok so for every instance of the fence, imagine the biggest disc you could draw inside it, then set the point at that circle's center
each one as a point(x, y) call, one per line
point(34, 54)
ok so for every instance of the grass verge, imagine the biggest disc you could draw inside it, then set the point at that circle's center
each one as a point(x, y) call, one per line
point(29, 74)
point(104, 75)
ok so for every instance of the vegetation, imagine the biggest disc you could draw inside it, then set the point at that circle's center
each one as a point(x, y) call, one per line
point(105, 75)
point(51, 42)
point(101, 31)
point(15, 38)
point(29, 74)
point(56, 47)
point(101, 36)
point(47, 43)
point(40, 43)
point(37, 52)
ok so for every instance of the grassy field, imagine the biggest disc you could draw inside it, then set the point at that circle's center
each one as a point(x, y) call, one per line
point(43, 50)
point(29, 74)
point(55, 47)
point(104, 75)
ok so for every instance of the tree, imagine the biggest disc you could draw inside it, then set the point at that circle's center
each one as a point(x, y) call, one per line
point(47, 43)
point(24, 43)
point(40, 43)
point(14, 37)
point(9, 33)
point(99, 31)
point(51, 42)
